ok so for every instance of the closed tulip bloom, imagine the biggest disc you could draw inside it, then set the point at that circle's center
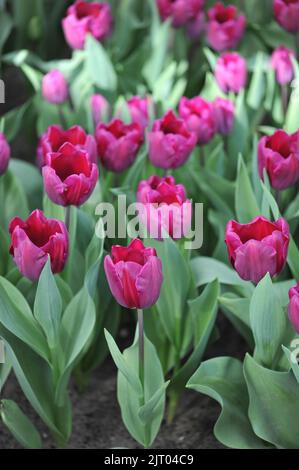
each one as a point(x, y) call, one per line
point(36, 239)
point(258, 247)
point(286, 13)
point(55, 137)
point(85, 18)
point(278, 154)
point(170, 142)
point(118, 144)
point(4, 153)
point(225, 27)
point(281, 62)
point(180, 11)
point(231, 72)
point(167, 208)
point(69, 176)
point(55, 87)
point(198, 115)
point(224, 112)
point(101, 109)
point(293, 309)
point(134, 274)
point(139, 110)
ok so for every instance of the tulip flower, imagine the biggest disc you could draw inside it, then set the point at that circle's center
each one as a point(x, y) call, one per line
point(55, 87)
point(118, 144)
point(198, 115)
point(293, 309)
point(167, 208)
point(180, 11)
point(69, 175)
point(286, 13)
point(231, 72)
point(139, 110)
point(258, 247)
point(134, 274)
point(225, 27)
point(224, 113)
point(170, 142)
point(100, 107)
point(85, 18)
point(55, 137)
point(34, 240)
point(4, 153)
point(278, 154)
point(281, 62)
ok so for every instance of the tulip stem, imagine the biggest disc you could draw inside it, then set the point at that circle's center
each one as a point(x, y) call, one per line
point(201, 156)
point(62, 117)
point(68, 217)
point(141, 346)
point(278, 198)
point(284, 99)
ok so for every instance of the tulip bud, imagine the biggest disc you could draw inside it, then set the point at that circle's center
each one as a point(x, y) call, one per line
point(198, 115)
point(293, 309)
point(118, 144)
point(55, 87)
point(36, 239)
point(167, 209)
point(134, 275)
point(231, 72)
point(258, 247)
point(286, 13)
point(225, 27)
point(170, 142)
point(4, 154)
point(180, 11)
point(69, 176)
point(139, 110)
point(101, 109)
point(278, 154)
point(224, 112)
point(281, 62)
point(85, 18)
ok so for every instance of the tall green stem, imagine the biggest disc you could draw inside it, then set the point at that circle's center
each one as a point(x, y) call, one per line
point(284, 99)
point(141, 346)
point(68, 217)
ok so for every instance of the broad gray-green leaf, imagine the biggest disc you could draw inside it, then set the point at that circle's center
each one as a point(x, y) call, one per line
point(99, 66)
point(245, 200)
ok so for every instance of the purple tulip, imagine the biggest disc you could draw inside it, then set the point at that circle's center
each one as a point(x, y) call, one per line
point(101, 109)
point(170, 142)
point(54, 87)
point(134, 275)
point(198, 115)
point(85, 18)
point(278, 154)
point(118, 144)
point(139, 110)
point(224, 112)
point(293, 309)
point(4, 153)
point(258, 247)
point(231, 72)
point(180, 11)
point(281, 62)
point(69, 176)
point(36, 239)
point(225, 27)
point(286, 13)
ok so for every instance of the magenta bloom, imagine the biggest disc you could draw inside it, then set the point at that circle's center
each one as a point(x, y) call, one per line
point(224, 112)
point(86, 18)
point(101, 109)
point(54, 87)
point(286, 13)
point(281, 62)
point(134, 274)
point(180, 11)
point(36, 238)
point(198, 115)
point(4, 153)
point(258, 247)
point(139, 110)
point(225, 27)
point(279, 155)
point(170, 142)
point(231, 72)
point(69, 176)
point(166, 207)
point(118, 144)
point(293, 309)
point(53, 139)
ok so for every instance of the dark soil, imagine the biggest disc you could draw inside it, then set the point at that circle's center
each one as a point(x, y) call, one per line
point(97, 421)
